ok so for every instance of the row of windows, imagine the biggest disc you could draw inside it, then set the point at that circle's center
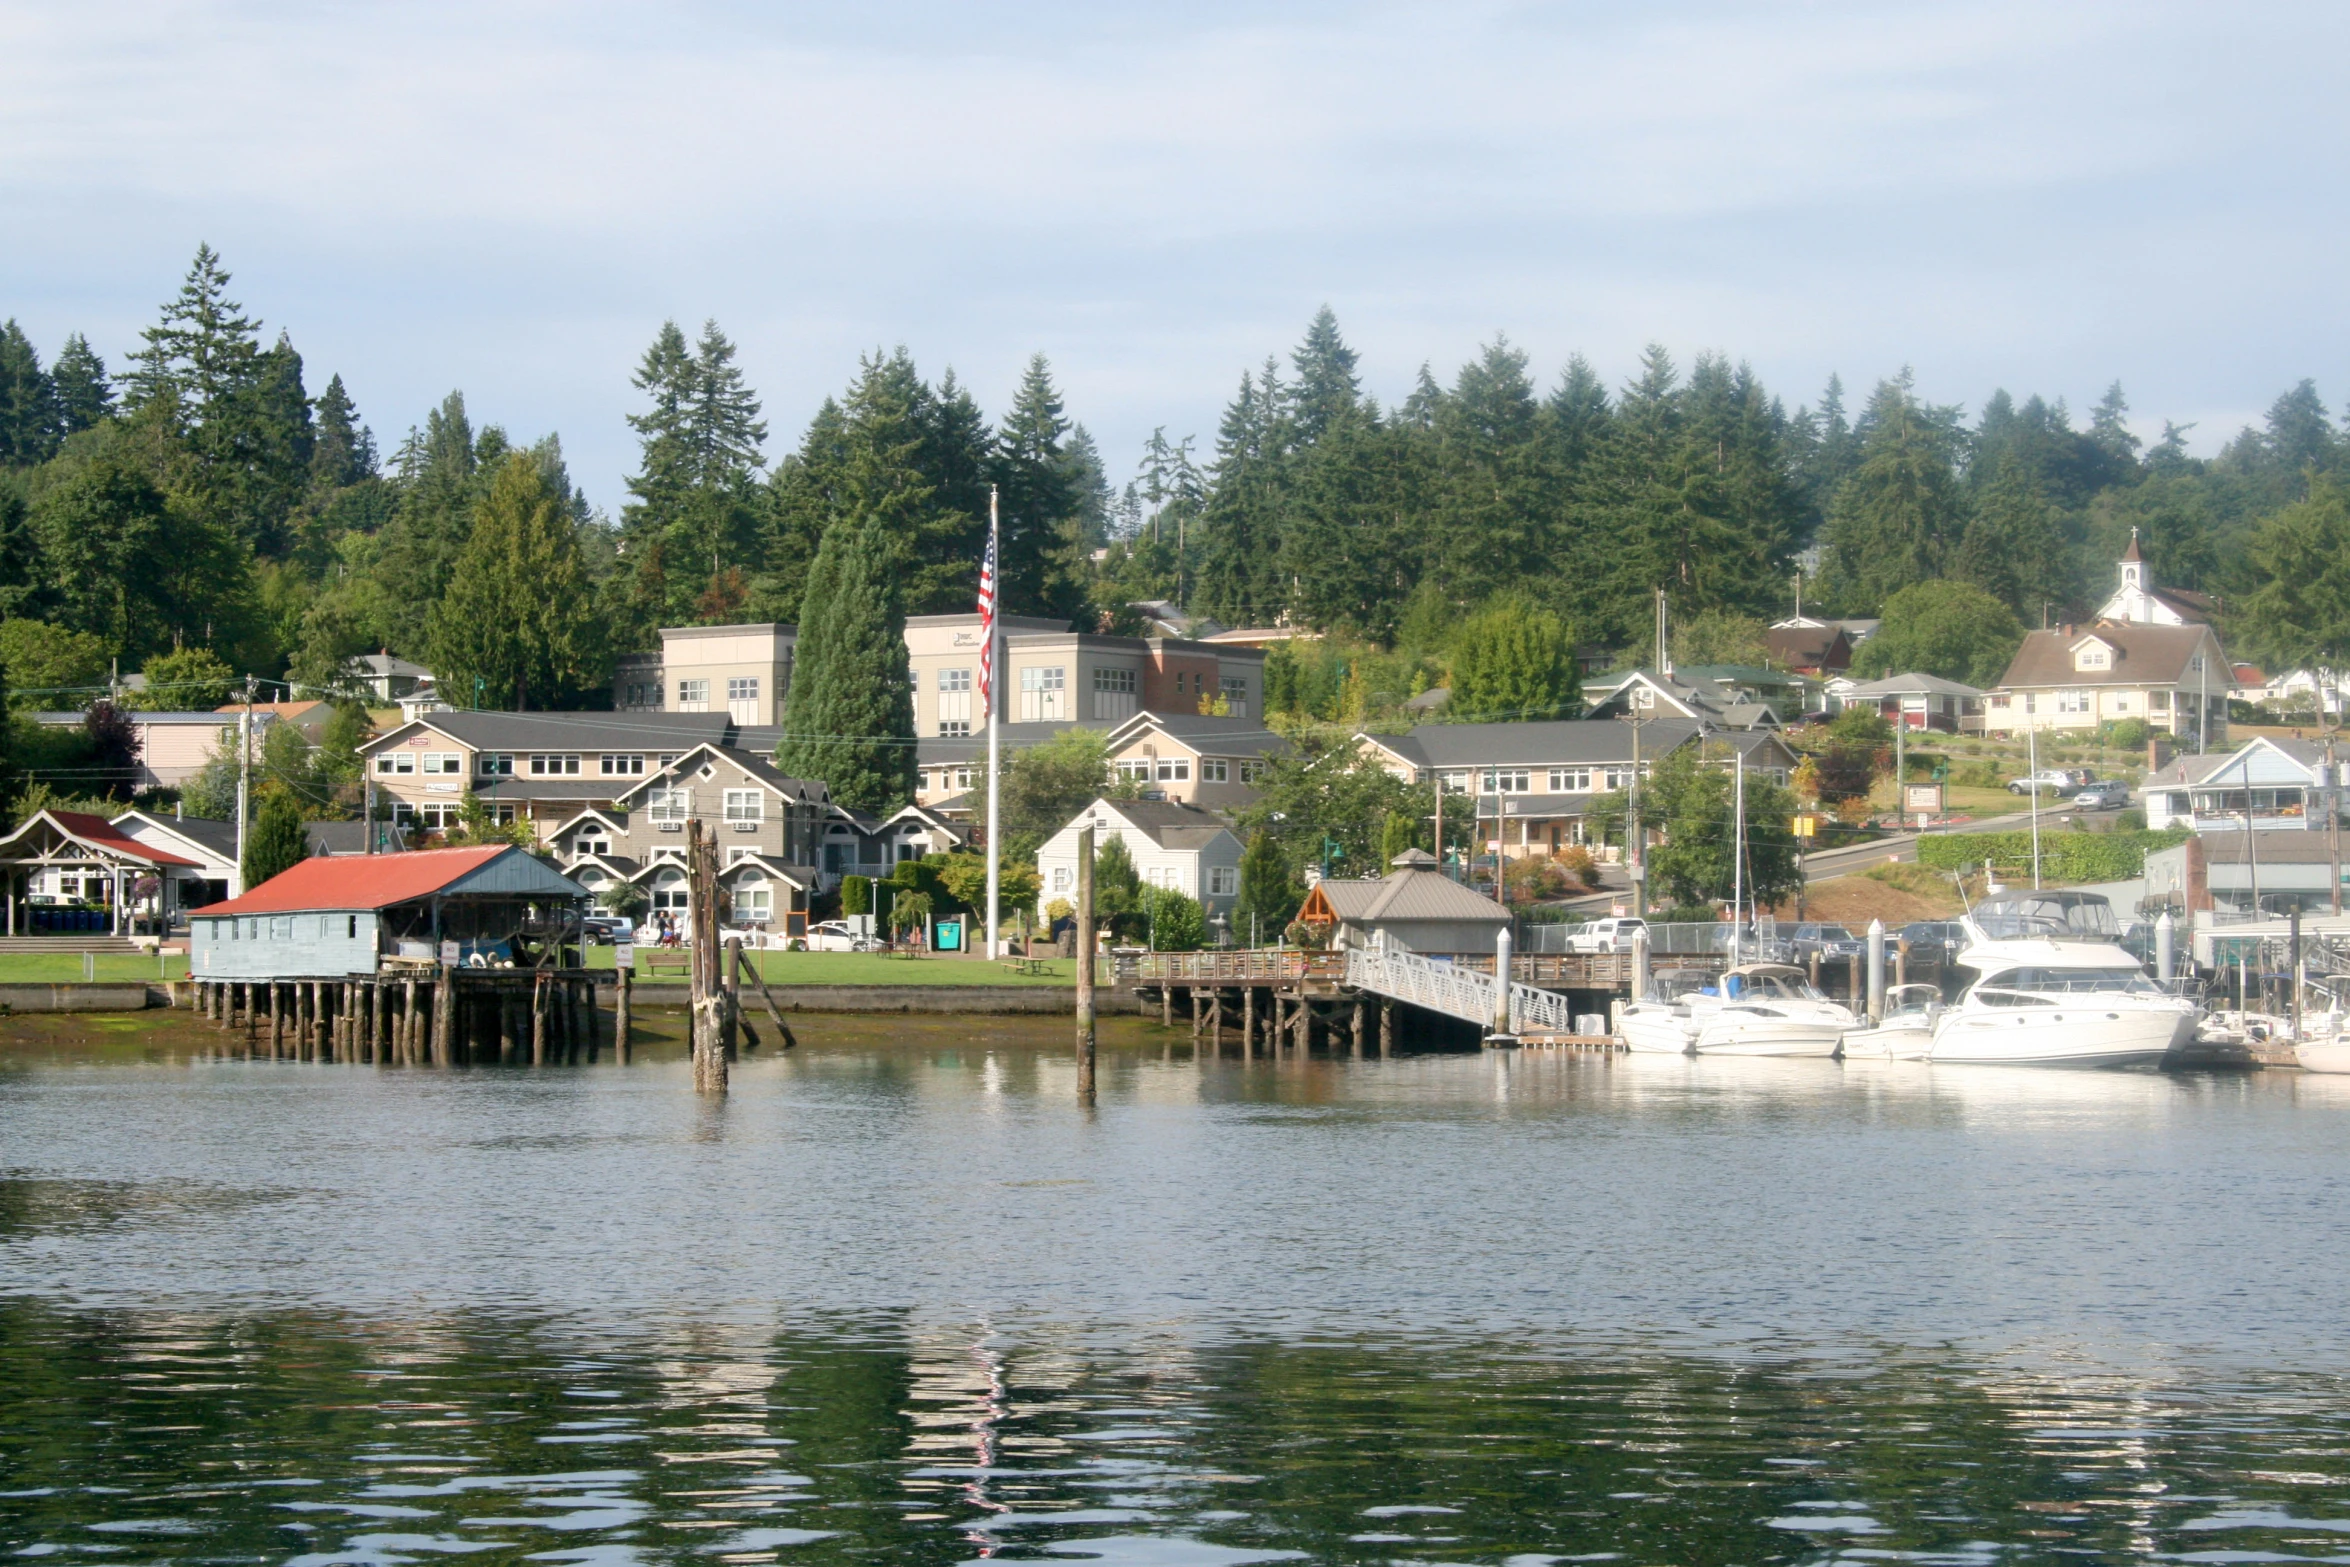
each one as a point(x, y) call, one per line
point(500, 764)
point(1212, 769)
point(1223, 880)
point(1556, 780)
point(2076, 702)
point(288, 927)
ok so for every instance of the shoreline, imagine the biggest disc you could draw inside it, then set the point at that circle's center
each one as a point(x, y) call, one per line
point(121, 998)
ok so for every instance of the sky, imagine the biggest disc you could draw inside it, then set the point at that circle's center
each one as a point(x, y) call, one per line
point(511, 198)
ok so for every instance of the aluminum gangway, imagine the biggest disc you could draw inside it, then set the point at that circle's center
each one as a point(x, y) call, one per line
point(1456, 991)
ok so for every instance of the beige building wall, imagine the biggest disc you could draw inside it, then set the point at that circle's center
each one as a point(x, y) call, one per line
point(742, 671)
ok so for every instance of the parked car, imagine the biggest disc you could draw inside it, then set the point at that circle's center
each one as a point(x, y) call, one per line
point(1608, 935)
point(1933, 941)
point(608, 928)
point(2110, 795)
point(2051, 780)
point(837, 936)
point(1829, 941)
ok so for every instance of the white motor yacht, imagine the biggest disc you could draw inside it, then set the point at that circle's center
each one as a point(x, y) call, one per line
point(1755, 1009)
point(1904, 1031)
point(2041, 1001)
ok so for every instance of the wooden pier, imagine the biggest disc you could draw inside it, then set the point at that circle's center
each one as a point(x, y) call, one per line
point(421, 1014)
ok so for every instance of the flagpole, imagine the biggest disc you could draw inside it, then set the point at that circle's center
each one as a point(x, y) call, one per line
point(994, 832)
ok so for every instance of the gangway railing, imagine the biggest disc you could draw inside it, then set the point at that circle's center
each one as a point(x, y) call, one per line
point(1456, 991)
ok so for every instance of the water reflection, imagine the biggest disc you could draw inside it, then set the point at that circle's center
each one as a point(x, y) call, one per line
point(896, 1300)
point(312, 1439)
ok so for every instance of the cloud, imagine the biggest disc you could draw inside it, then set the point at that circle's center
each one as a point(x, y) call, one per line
point(510, 198)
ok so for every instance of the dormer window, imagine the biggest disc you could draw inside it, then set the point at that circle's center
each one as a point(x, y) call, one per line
point(2093, 655)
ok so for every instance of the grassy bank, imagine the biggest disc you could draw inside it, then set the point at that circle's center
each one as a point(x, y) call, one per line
point(60, 968)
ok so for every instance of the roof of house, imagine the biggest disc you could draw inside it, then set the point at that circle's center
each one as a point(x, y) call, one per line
point(488, 731)
point(385, 664)
point(218, 839)
point(2265, 846)
point(1409, 892)
point(1806, 646)
point(750, 762)
point(98, 833)
point(1211, 736)
point(2189, 771)
point(1167, 823)
point(932, 750)
point(281, 709)
point(334, 838)
point(1429, 700)
point(2143, 655)
point(1559, 742)
point(1914, 683)
point(382, 880)
point(75, 718)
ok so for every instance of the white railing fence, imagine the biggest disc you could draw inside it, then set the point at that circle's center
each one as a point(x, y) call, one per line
point(1455, 991)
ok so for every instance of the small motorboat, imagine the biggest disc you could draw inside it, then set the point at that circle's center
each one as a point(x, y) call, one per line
point(1765, 1009)
point(1905, 1030)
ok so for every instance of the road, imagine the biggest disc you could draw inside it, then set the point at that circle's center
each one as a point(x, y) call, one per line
point(1900, 847)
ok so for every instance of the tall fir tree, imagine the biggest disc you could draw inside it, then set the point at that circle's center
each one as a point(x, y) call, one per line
point(30, 419)
point(85, 394)
point(1897, 518)
point(1038, 559)
point(518, 624)
point(849, 717)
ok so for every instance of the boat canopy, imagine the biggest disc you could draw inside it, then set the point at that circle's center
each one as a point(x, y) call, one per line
point(2051, 915)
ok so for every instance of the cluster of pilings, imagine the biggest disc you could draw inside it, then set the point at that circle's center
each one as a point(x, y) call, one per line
point(448, 1017)
point(1282, 1021)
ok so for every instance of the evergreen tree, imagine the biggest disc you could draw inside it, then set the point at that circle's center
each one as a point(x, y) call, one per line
point(1038, 560)
point(1231, 568)
point(2299, 616)
point(85, 397)
point(1326, 389)
point(849, 717)
point(1951, 629)
point(112, 557)
point(1489, 521)
point(517, 622)
point(697, 489)
point(1269, 895)
point(30, 420)
point(342, 451)
point(1513, 663)
point(435, 476)
point(1897, 518)
point(2013, 546)
point(277, 841)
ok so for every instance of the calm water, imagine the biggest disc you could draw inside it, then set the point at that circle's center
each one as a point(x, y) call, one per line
point(898, 1300)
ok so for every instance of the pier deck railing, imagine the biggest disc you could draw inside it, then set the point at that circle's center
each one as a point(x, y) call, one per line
point(1246, 966)
point(1456, 990)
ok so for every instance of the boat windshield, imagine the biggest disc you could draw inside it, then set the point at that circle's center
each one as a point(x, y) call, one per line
point(1769, 985)
point(2074, 981)
point(2078, 916)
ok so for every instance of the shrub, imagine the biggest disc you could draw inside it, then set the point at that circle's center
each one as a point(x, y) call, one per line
point(1178, 924)
point(2127, 734)
point(856, 894)
point(1686, 914)
point(1977, 775)
point(1577, 862)
point(2064, 856)
point(1537, 877)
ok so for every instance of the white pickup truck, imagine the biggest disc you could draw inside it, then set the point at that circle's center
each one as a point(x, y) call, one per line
point(1608, 935)
point(2049, 780)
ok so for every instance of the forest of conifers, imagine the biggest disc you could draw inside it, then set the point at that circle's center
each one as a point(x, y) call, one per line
point(204, 492)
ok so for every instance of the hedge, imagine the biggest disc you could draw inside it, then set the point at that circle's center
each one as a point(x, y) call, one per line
point(2064, 856)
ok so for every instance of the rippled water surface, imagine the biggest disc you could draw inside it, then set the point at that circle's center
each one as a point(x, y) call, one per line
point(899, 1299)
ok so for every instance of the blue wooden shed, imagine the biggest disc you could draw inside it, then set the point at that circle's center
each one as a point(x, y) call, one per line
point(334, 918)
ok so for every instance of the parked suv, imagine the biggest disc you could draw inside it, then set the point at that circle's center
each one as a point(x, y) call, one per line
point(2110, 795)
point(1608, 935)
point(607, 927)
point(1829, 941)
point(1933, 941)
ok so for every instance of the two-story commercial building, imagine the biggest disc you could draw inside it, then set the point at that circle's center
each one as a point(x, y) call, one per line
point(741, 671)
point(1529, 787)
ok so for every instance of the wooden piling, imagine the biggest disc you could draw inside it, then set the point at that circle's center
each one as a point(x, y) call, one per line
point(1216, 1020)
point(1198, 1015)
point(277, 1024)
point(1386, 1028)
point(730, 982)
point(620, 1018)
point(538, 1020)
point(444, 1017)
point(1358, 1028)
point(1166, 1005)
point(774, 1012)
point(707, 995)
point(1248, 1022)
point(1085, 1034)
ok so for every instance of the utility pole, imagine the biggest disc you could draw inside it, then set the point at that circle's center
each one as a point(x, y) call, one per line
point(244, 781)
point(1636, 862)
point(1085, 1035)
point(2332, 795)
point(2032, 770)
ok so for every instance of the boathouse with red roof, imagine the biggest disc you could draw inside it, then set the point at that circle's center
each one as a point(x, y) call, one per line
point(346, 916)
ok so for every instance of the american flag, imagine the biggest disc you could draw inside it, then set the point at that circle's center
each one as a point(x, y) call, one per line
point(987, 624)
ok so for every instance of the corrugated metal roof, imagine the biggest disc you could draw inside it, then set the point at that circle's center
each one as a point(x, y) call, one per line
point(378, 881)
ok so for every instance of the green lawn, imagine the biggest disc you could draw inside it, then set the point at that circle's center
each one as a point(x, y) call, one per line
point(37, 968)
point(870, 968)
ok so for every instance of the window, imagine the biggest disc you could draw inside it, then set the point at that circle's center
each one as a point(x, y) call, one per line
point(1214, 769)
point(1173, 770)
point(449, 762)
point(1507, 780)
point(737, 856)
point(281, 927)
point(954, 728)
point(1612, 778)
point(643, 693)
point(1064, 877)
point(1570, 780)
point(1139, 770)
point(503, 815)
point(2158, 702)
point(693, 696)
point(2072, 701)
point(555, 765)
point(1223, 881)
point(1999, 702)
point(1250, 772)
point(745, 807)
point(591, 843)
point(1044, 695)
point(437, 815)
point(1235, 694)
point(668, 852)
point(1454, 782)
point(2095, 656)
point(621, 765)
point(396, 762)
point(957, 778)
point(669, 807)
point(1113, 694)
point(753, 903)
point(952, 681)
point(742, 688)
point(494, 764)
